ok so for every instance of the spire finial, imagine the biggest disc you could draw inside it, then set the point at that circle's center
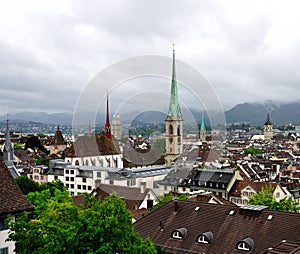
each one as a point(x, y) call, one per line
point(107, 123)
point(173, 45)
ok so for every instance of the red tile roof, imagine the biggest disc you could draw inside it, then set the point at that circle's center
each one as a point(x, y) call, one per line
point(239, 185)
point(11, 198)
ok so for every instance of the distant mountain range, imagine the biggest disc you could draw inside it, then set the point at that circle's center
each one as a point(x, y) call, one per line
point(256, 113)
point(252, 113)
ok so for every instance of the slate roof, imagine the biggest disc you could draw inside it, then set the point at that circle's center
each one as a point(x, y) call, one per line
point(12, 200)
point(209, 178)
point(176, 176)
point(142, 158)
point(92, 145)
point(265, 227)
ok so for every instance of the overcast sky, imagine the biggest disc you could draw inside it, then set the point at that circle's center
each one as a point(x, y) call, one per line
point(50, 50)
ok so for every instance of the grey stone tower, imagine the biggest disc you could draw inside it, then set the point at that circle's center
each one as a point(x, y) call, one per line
point(268, 129)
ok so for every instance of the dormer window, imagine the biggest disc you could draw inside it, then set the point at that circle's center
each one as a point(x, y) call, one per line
point(245, 245)
point(205, 238)
point(179, 233)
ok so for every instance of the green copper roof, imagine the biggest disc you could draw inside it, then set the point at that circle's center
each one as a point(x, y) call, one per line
point(174, 109)
point(202, 123)
point(268, 122)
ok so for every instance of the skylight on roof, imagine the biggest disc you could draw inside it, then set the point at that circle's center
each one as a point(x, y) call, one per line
point(197, 208)
point(231, 212)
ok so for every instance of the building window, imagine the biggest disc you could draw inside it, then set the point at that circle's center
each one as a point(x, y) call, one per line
point(176, 235)
point(42, 177)
point(72, 179)
point(72, 172)
point(245, 202)
point(98, 174)
point(111, 182)
point(165, 187)
point(67, 185)
point(55, 177)
point(179, 233)
point(245, 194)
point(233, 200)
point(36, 177)
point(76, 163)
point(89, 187)
point(67, 178)
point(2, 224)
point(277, 194)
point(36, 170)
point(72, 186)
point(171, 130)
point(84, 180)
point(83, 187)
point(67, 171)
point(243, 246)
point(79, 187)
point(4, 250)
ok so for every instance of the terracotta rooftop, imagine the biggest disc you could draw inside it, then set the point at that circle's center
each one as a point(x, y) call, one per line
point(11, 198)
point(239, 185)
point(223, 226)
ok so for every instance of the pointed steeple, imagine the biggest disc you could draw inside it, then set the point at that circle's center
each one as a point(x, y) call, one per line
point(174, 109)
point(202, 123)
point(268, 122)
point(8, 147)
point(107, 123)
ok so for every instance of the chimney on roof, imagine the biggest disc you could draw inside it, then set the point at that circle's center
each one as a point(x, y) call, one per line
point(176, 206)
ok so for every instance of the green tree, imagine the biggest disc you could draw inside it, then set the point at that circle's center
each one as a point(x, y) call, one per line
point(52, 186)
point(27, 184)
point(58, 226)
point(265, 197)
point(252, 151)
point(164, 199)
point(18, 145)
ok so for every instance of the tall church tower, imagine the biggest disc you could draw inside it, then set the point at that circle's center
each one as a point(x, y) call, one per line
point(174, 146)
point(202, 130)
point(116, 127)
point(268, 129)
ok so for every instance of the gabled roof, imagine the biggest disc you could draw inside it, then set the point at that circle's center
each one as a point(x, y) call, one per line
point(228, 225)
point(131, 195)
point(11, 198)
point(239, 185)
point(92, 145)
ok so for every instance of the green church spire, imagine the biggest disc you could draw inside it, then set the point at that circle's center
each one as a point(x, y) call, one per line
point(174, 109)
point(202, 123)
